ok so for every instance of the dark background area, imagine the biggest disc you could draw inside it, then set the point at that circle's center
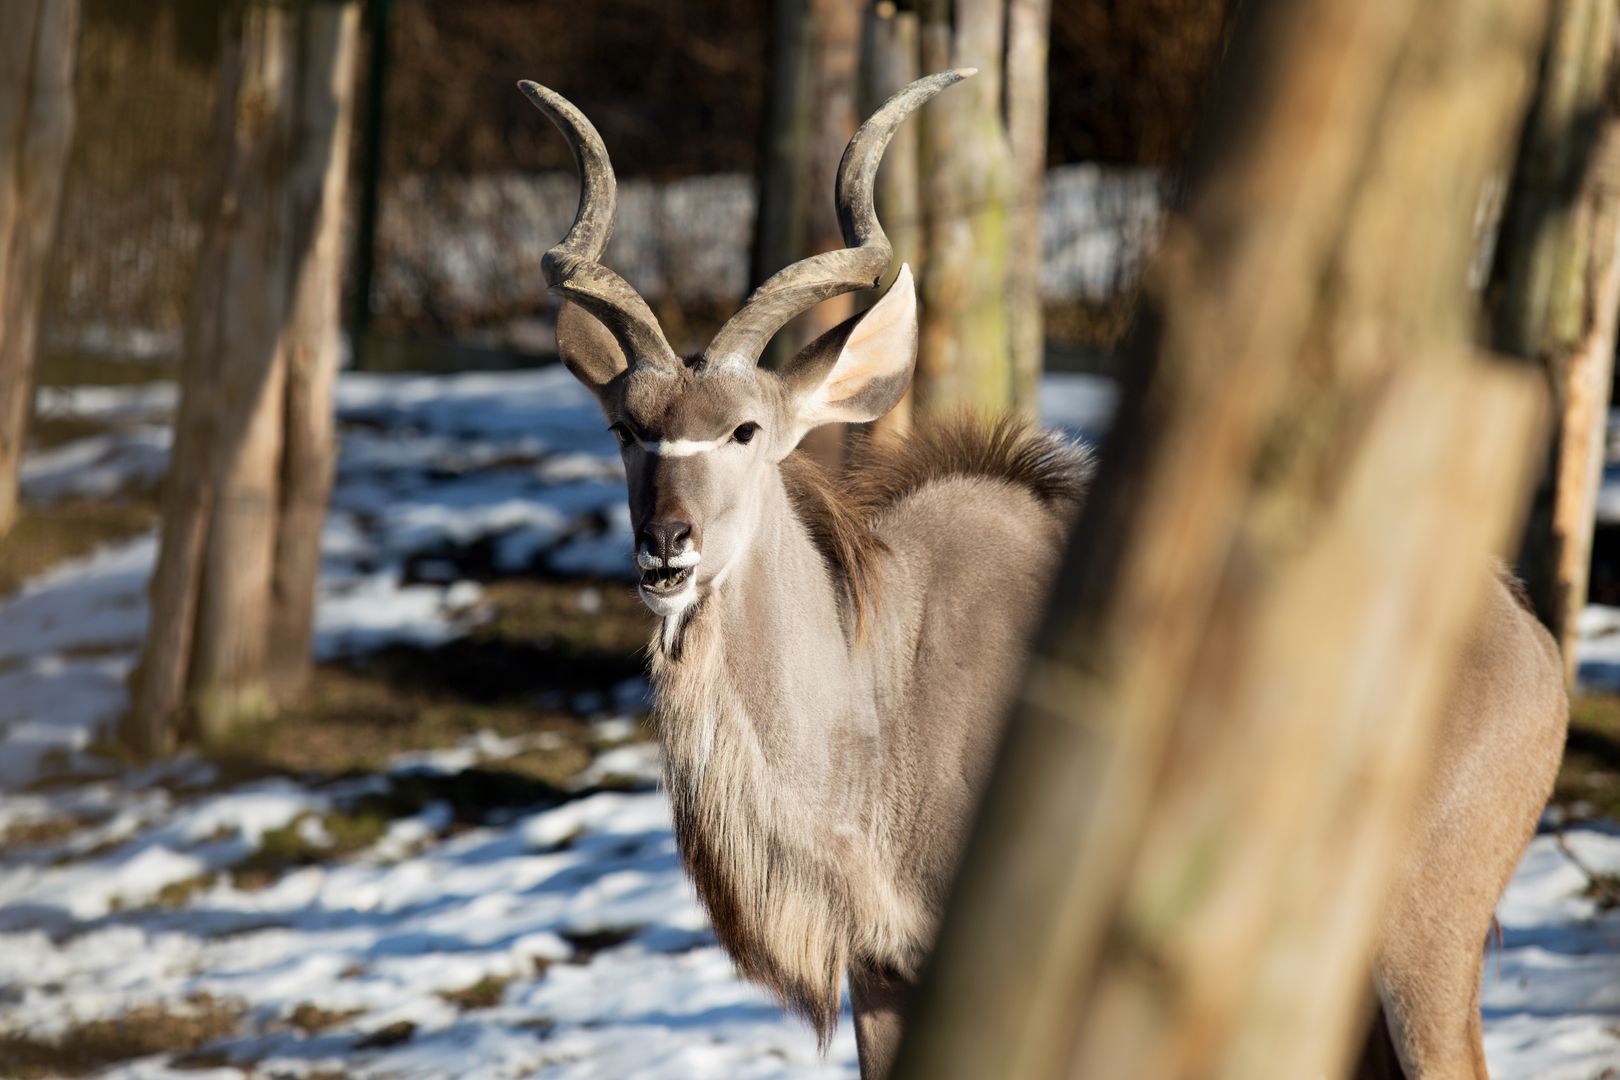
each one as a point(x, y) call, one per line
point(678, 89)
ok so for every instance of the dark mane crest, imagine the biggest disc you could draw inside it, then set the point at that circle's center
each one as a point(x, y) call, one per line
point(841, 510)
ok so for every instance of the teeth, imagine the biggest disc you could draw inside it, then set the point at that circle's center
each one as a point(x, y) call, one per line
point(667, 577)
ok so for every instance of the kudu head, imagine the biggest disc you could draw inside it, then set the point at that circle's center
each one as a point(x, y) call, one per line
point(701, 436)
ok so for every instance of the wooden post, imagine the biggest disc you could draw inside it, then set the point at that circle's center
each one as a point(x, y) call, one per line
point(1558, 286)
point(1199, 803)
point(245, 496)
point(38, 39)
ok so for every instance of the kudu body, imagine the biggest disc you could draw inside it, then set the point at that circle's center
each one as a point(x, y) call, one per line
point(834, 658)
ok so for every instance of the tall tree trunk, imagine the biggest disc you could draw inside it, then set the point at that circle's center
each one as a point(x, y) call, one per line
point(1028, 30)
point(1558, 284)
point(781, 223)
point(158, 684)
point(889, 62)
point(38, 40)
point(964, 341)
point(227, 676)
point(1232, 705)
point(959, 192)
point(835, 55)
point(810, 115)
point(312, 344)
point(236, 571)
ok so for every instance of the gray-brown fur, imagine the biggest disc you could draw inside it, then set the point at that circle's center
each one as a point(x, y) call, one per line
point(836, 653)
point(841, 511)
point(819, 832)
point(1500, 743)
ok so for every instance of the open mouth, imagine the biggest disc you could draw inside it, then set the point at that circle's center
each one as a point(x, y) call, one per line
point(665, 579)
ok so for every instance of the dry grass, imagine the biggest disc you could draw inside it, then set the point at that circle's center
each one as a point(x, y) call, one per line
point(312, 1019)
point(486, 993)
point(47, 535)
point(577, 616)
point(177, 894)
point(139, 1032)
point(389, 1035)
point(40, 832)
point(65, 368)
point(541, 637)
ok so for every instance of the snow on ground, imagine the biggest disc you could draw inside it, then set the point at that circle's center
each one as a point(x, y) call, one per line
point(1552, 994)
point(570, 913)
point(381, 940)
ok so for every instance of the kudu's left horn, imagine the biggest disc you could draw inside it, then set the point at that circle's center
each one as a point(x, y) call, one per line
point(571, 268)
point(866, 254)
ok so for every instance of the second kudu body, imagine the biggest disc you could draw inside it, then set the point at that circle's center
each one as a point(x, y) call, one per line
point(834, 659)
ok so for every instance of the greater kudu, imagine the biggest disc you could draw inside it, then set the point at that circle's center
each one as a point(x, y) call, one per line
point(834, 657)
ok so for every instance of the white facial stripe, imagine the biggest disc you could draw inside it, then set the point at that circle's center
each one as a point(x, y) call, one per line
point(684, 447)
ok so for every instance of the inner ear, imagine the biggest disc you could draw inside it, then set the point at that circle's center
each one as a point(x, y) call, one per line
point(859, 370)
point(588, 348)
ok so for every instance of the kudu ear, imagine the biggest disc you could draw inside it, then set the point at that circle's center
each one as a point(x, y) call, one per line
point(588, 348)
point(860, 369)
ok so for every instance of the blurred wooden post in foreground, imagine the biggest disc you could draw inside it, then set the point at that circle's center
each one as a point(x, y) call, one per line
point(38, 39)
point(245, 497)
point(1181, 857)
point(1558, 285)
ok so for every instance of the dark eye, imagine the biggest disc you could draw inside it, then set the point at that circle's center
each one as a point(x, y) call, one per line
point(745, 432)
point(623, 434)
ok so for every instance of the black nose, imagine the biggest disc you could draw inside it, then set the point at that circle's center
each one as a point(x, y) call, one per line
point(665, 539)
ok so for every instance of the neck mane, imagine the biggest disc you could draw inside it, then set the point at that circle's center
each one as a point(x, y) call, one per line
point(756, 690)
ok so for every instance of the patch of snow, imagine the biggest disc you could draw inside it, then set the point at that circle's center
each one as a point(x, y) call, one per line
point(94, 604)
point(385, 935)
point(1082, 405)
point(99, 467)
point(364, 613)
point(135, 402)
point(1598, 648)
point(1551, 996)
